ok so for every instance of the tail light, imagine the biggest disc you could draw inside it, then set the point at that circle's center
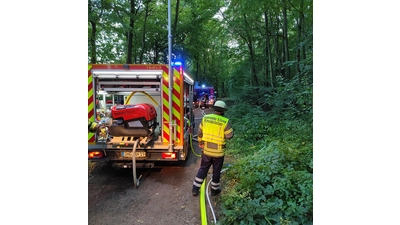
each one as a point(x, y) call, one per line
point(96, 155)
point(168, 155)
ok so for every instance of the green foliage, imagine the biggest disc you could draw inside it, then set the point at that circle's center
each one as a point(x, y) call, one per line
point(270, 180)
point(272, 184)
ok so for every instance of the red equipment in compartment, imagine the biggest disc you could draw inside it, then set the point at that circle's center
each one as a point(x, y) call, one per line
point(138, 120)
point(132, 112)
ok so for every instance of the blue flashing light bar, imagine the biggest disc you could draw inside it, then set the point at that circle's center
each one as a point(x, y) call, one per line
point(177, 64)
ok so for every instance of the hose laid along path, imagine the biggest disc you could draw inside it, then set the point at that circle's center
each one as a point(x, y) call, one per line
point(203, 190)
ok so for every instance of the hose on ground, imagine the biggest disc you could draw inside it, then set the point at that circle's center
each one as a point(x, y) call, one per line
point(191, 145)
point(203, 210)
point(209, 202)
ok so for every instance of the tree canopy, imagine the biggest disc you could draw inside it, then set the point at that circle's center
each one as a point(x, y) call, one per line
point(226, 44)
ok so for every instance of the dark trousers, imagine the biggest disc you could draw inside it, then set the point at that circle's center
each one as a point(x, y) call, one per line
point(206, 162)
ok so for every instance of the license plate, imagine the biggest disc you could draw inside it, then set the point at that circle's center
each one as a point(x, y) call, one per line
point(138, 154)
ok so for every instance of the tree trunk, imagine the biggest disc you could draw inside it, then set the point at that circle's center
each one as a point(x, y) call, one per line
point(298, 49)
point(146, 15)
point(93, 43)
point(176, 19)
point(279, 60)
point(251, 51)
point(268, 52)
point(130, 33)
point(285, 40)
point(196, 76)
point(92, 38)
point(156, 53)
point(300, 23)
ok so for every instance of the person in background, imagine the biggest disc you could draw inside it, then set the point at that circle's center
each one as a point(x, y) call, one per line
point(202, 102)
point(212, 134)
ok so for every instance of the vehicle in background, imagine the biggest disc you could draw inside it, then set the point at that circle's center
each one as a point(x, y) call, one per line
point(204, 96)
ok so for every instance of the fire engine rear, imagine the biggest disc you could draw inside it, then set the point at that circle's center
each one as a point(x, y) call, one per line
point(147, 128)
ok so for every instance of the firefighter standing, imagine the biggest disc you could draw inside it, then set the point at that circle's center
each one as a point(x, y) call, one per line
point(213, 132)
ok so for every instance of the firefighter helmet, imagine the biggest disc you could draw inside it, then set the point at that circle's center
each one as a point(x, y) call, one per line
point(219, 106)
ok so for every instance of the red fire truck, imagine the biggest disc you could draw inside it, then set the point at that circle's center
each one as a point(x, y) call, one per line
point(143, 119)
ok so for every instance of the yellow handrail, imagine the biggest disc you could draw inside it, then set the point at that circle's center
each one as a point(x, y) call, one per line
point(134, 92)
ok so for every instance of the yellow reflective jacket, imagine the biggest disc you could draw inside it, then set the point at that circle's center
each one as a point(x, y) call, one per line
point(214, 130)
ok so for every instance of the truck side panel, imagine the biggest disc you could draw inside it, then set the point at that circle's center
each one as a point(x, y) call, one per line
point(91, 102)
point(177, 107)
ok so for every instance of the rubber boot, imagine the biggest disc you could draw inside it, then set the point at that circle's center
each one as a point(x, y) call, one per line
point(195, 190)
point(215, 192)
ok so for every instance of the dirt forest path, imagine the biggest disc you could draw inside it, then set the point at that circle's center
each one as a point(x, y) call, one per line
point(163, 197)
